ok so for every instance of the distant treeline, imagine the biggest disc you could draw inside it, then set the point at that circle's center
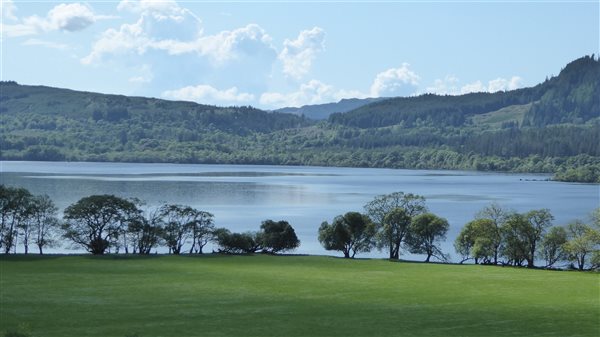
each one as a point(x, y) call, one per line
point(393, 222)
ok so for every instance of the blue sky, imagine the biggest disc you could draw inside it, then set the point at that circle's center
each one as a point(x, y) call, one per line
point(274, 54)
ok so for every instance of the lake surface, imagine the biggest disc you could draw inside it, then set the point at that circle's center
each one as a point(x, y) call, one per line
point(241, 196)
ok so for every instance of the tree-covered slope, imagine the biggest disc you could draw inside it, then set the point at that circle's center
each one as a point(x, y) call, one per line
point(551, 127)
point(571, 97)
point(46, 104)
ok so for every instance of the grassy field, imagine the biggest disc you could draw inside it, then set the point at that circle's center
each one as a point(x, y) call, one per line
point(289, 296)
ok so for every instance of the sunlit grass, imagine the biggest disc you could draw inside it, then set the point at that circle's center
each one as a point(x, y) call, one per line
point(290, 296)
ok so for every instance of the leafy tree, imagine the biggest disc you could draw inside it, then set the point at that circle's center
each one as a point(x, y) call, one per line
point(425, 233)
point(396, 224)
point(178, 225)
point(583, 241)
point(392, 233)
point(278, 236)
point(538, 222)
point(45, 222)
point(202, 231)
point(94, 221)
point(237, 243)
point(145, 233)
point(476, 241)
point(15, 204)
point(498, 215)
point(515, 246)
point(552, 246)
point(350, 233)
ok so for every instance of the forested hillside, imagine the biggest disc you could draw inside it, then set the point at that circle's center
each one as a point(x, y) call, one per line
point(551, 127)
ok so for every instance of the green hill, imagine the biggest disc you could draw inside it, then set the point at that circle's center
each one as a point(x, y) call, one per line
point(212, 295)
point(571, 97)
point(551, 127)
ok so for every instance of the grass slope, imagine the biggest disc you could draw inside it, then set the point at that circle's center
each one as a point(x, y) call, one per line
point(290, 296)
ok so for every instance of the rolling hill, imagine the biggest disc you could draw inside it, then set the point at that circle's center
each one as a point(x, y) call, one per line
point(551, 127)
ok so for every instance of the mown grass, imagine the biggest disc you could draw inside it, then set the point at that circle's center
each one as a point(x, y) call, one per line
point(289, 296)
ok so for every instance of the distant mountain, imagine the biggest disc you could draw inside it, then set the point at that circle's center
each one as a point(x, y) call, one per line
point(322, 111)
point(571, 97)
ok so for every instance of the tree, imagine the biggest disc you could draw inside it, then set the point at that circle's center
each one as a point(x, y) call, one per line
point(45, 222)
point(538, 221)
point(476, 241)
point(178, 224)
point(425, 233)
point(392, 232)
point(552, 246)
point(15, 204)
point(350, 233)
point(94, 221)
point(145, 233)
point(583, 240)
point(395, 228)
point(498, 215)
point(202, 231)
point(278, 236)
point(237, 243)
point(515, 247)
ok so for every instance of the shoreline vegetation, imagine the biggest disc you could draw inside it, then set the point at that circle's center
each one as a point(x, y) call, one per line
point(394, 223)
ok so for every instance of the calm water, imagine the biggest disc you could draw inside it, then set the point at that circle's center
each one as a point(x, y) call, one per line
point(241, 196)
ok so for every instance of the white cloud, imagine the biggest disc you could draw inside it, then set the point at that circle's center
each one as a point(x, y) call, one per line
point(204, 93)
point(47, 44)
point(159, 10)
point(298, 55)
point(66, 17)
point(312, 92)
point(476, 86)
point(502, 84)
point(224, 46)
point(128, 37)
point(8, 10)
point(219, 48)
point(450, 85)
point(395, 82)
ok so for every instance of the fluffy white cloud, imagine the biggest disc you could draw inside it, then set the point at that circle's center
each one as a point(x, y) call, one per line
point(207, 94)
point(224, 46)
point(395, 82)
point(312, 92)
point(502, 84)
point(450, 85)
point(160, 10)
point(219, 48)
point(66, 17)
point(69, 17)
point(298, 55)
point(128, 37)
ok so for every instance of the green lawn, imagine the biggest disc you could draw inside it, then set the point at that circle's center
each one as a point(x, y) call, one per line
point(290, 296)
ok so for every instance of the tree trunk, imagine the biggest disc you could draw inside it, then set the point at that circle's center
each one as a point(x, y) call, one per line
point(428, 257)
point(347, 254)
point(40, 247)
